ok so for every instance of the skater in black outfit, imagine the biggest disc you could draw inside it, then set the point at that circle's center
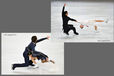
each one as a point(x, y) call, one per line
point(67, 27)
point(30, 47)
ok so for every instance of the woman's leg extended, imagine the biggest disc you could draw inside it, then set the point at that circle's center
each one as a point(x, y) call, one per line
point(43, 60)
point(99, 20)
point(93, 21)
point(95, 27)
point(47, 60)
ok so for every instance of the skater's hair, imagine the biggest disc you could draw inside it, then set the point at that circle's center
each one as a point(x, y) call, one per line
point(29, 53)
point(34, 38)
point(65, 12)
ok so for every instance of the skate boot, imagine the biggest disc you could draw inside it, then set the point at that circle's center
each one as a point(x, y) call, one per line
point(31, 63)
point(36, 66)
point(13, 67)
point(106, 21)
point(76, 33)
point(66, 33)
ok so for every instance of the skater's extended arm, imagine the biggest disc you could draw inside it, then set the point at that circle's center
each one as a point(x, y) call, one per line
point(43, 39)
point(72, 19)
point(63, 9)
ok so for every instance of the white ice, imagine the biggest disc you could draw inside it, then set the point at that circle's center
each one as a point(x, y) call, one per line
point(83, 11)
point(13, 45)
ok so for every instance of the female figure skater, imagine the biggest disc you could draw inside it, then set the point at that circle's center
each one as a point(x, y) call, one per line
point(92, 22)
point(40, 56)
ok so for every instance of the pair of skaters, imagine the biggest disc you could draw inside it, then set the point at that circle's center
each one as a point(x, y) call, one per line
point(31, 53)
point(67, 27)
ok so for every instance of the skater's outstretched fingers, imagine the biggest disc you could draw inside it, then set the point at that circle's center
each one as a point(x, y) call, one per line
point(65, 4)
point(48, 37)
point(76, 21)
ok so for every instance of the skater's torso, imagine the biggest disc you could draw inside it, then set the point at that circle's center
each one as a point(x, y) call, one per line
point(65, 20)
point(32, 45)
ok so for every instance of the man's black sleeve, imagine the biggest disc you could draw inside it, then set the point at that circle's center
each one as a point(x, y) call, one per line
point(71, 19)
point(63, 10)
point(42, 39)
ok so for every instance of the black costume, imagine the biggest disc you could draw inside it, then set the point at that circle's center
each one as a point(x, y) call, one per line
point(67, 27)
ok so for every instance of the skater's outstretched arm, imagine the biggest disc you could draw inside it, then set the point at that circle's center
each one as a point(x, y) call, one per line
point(63, 9)
point(72, 19)
point(43, 39)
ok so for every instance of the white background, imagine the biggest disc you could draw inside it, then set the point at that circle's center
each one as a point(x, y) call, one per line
point(13, 46)
point(83, 11)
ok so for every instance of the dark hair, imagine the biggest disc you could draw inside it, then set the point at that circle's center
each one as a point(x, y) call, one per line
point(65, 12)
point(29, 53)
point(34, 38)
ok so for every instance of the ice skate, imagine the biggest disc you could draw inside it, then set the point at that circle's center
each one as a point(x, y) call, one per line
point(13, 67)
point(106, 21)
point(36, 66)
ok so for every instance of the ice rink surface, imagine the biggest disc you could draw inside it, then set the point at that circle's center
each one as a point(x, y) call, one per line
point(13, 46)
point(82, 12)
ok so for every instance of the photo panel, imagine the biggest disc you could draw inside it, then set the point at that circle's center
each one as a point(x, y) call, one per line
point(82, 21)
point(17, 47)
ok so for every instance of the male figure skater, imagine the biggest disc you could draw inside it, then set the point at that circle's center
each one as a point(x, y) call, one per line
point(30, 47)
point(67, 27)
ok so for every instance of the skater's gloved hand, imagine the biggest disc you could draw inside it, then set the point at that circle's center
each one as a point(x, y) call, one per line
point(48, 37)
point(64, 5)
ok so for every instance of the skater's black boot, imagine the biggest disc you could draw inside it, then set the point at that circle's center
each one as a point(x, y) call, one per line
point(31, 63)
point(76, 33)
point(67, 33)
point(13, 66)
